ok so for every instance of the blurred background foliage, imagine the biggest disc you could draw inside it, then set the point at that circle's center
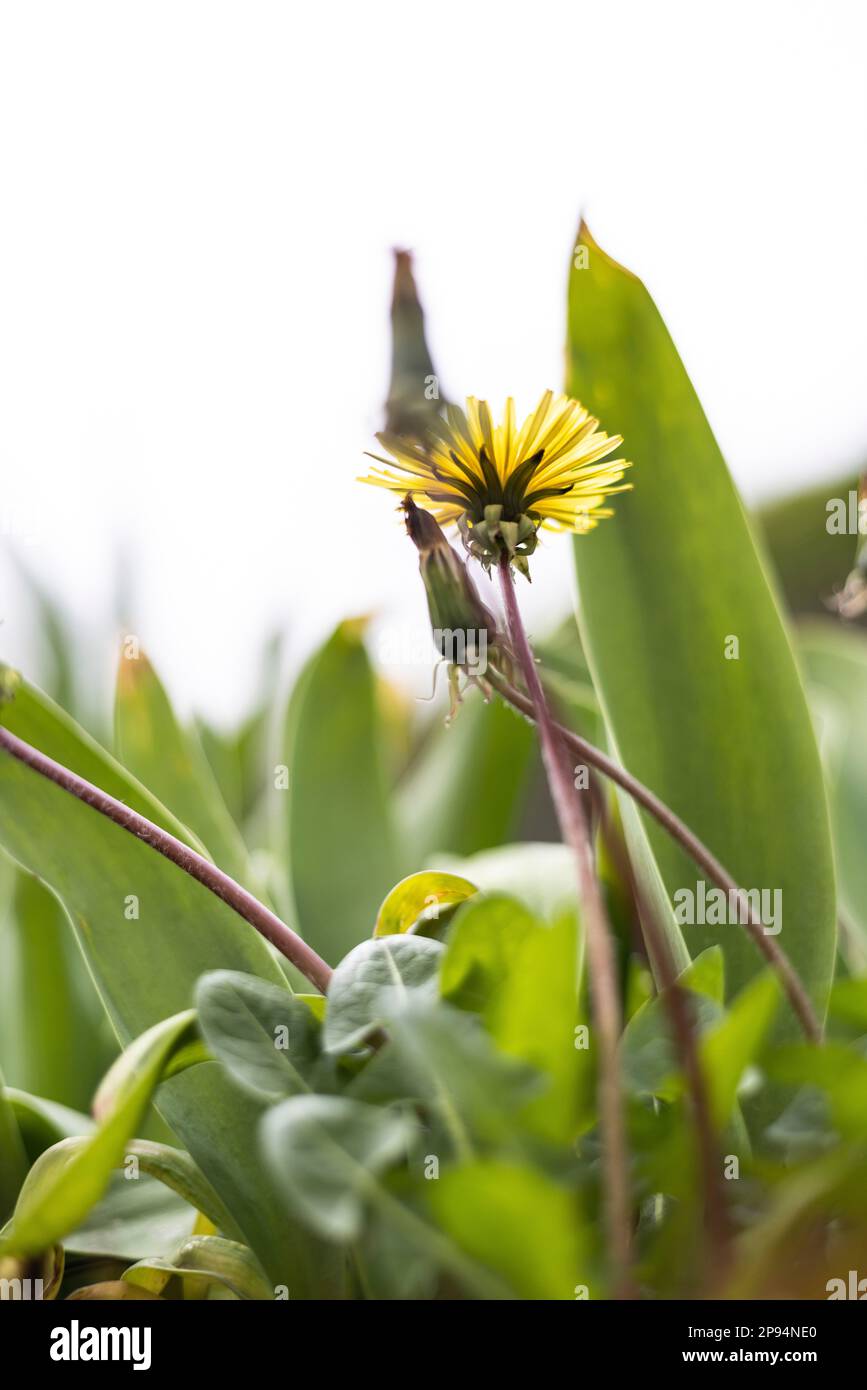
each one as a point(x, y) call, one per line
point(334, 785)
point(366, 758)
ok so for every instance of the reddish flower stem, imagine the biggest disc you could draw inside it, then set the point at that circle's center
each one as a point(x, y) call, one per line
point(600, 952)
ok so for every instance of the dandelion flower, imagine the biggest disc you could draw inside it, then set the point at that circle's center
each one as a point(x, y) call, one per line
point(501, 484)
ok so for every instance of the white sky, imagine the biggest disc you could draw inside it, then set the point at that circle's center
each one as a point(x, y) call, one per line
point(199, 201)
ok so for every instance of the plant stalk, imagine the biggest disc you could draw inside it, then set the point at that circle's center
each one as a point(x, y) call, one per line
point(267, 923)
point(774, 954)
point(600, 953)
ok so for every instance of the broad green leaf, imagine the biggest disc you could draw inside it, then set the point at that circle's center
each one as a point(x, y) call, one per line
point(464, 792)
point(442, 1059)
point(835, 663)
point(538, 1015)
point(69, 1179)
point(838, 1070)
point(133, 1220)
point(849, 1003)
point(421, 903)
point(169, 760)
point(541, 876)
point(205, 1260)
point(517, 1222)
point(44, 1122)
point(176, 1170)
point(667, 587)
point(338, 832)
point(266, 1038)
point(734, 1043)
point(326, 1153)
point(240, 758)
point(371, 982)
point(648, 1054)
point(482, 950)
point(60, 662)
point(811, 561)
point(146, 967)
point(58, 1044)
point(13, 1156)
point(25, 711)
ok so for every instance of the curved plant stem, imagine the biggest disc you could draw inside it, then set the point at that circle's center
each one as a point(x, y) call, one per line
point(267, 923)
point(689, 841)
point(600, 953)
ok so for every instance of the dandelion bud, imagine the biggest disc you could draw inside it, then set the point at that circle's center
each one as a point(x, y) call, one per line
point(463, 627)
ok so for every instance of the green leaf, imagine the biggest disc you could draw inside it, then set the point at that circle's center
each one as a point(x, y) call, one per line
point(648, 1055)
point(326, 1153)
point(836, 1069)
point(811, 561)
point(69, 1179)
point(541, 876)
point(419, 903)
point(60, 1048)
point(266, 1038)
point(482, 950)
point(849, 1003)
point(203, 1261)
point(516, 1221)
point(176, 1170)
point(538, 1015)
point(735, 1042)
point(240, 757)
point(146, 969)
point(464, 792)
point(371, 982)
point(13, 1157)
point(341, 842)
point(835, 661)
point(44, 1122)
point(664, 587)
point(39, 721)
point(56, 638)
point(443, 1059)
point(170, 760)
point(133, 1220)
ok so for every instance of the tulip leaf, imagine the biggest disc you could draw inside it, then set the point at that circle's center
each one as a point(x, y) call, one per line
point(696, 678)
point(146, 965)
point(339, 834)
point(464, 792)
point(68, 1179)
point(835, 662)
point(170, 760)
point(60, 1048)
point(202, 1261)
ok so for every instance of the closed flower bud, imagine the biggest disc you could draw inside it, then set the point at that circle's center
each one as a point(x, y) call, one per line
point(463, 628)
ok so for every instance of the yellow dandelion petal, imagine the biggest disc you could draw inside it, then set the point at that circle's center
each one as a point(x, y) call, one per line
point(555, 471)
